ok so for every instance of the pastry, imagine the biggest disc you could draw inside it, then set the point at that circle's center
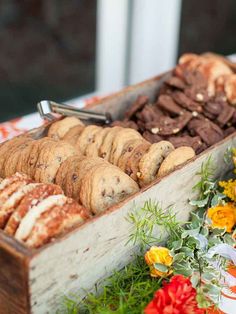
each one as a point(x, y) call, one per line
point(105, 148)
point(132, 165)
point(32, 198)
point(120, 139)
point(8, 187)
point(59, 128)
point(92, 149)
point(6, 150)
point(74, 178)
point(86, 137)
point(176, 158)
point(104, 186)
point(127, 152)
point(151, 161)
point(12, 202)
point(28, 221)
point(12, 162)
point(56, 221)
point(73, 134)
point(35, 213)
point(49, 160)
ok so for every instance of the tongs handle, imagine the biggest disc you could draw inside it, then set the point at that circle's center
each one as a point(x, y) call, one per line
point(46, 107)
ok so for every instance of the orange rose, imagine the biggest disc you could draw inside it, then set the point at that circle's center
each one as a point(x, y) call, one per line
point(223, 216)
point(159, 255)
point(177, 296)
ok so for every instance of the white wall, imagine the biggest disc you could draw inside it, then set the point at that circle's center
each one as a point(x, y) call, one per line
point(136, 39)
point(112, 17)
point(154, 37)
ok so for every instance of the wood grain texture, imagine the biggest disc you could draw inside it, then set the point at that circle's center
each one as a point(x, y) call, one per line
point(14, 292)
point(85, 256)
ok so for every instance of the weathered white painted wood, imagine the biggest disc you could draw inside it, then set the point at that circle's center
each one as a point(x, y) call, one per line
point(87, 255)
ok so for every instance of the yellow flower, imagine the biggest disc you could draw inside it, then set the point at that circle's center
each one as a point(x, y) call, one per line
point(158, 255)
point(229, 188)
point(223, 216)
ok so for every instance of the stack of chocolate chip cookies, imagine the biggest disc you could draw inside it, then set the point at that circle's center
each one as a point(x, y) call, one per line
point(122, 147)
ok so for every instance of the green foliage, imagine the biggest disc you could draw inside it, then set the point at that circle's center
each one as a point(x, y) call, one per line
point(126, 291)
point(151, 225)
point(207, 188)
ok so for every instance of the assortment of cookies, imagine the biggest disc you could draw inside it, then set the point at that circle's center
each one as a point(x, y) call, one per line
point(36, 213)
point(121, 147)
point(48, 160)
point(94, 182)
point(56, 182)
point(39, 159)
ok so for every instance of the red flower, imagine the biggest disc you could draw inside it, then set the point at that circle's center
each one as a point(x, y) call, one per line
point(176, 297)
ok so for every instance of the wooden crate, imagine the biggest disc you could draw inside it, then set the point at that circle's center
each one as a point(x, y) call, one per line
point(34, 281)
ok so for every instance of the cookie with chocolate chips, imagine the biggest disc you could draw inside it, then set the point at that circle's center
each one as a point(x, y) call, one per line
point(50, 158)
point(175, 158)
point(119, 141)
point(59, 128)
point(73, 134)
point(132, 165)
point(106, 146)
point(127, 152)
point(104, 186)
point(92, 149)
point(78, 171)
point(86, 138)
point(151, 161)
point(11, 165)
point(6, 150)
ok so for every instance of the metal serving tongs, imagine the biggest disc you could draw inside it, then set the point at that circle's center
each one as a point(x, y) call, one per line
point(47, 107)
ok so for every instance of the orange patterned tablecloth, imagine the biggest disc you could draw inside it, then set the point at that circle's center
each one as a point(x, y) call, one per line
point(22, 124)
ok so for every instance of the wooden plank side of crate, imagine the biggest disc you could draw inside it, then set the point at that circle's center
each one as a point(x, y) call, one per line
point(14, 281)
point(85, 256)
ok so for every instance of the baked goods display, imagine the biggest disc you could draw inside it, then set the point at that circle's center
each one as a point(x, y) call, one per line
point(36, 213)
point(54, 161)
point(194, 107)
point(94, 182)
point(121, 147)
point(102, 167)
point(55, 182)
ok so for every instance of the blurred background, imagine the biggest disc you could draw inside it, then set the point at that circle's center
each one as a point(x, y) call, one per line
point(63, 49)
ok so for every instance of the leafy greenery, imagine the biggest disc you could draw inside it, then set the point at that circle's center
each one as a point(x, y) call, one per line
point(151, 221)
point(127, 291)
